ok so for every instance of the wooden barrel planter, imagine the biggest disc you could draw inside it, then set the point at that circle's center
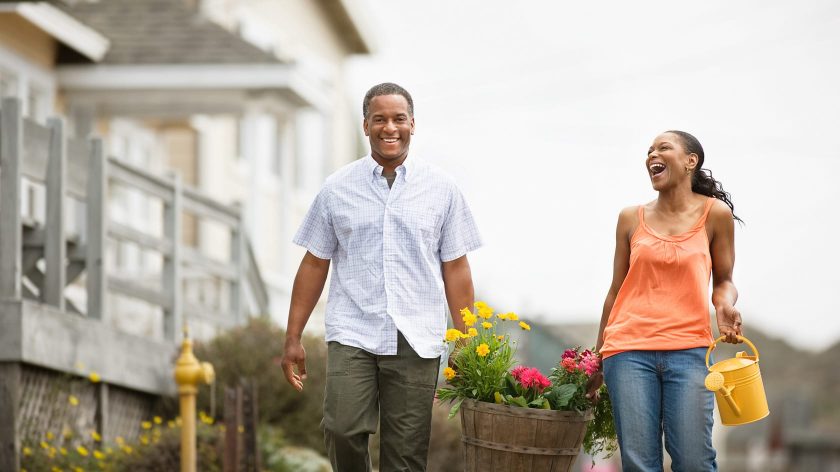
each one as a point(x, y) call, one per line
point(502, 438)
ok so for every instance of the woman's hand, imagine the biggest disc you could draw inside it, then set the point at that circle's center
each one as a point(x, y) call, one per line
point(594, 384)
point(729, 323)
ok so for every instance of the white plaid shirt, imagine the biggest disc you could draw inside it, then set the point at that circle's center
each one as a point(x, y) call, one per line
point(386, 248)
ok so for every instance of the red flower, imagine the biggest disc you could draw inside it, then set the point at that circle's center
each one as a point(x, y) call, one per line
point(569, 354)
point(569, 364)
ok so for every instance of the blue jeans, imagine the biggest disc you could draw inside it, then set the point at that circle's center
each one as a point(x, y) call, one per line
point(656, 393)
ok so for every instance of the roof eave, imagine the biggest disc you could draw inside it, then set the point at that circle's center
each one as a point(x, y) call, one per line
point(62, 27)
point(285, 78)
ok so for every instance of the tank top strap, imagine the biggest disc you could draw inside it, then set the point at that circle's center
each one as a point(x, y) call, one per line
point(707, 207)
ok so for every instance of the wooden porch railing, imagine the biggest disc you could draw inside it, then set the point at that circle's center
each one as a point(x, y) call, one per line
point(78, 169)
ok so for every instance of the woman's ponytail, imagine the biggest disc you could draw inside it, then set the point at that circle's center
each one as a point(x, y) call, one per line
point(702, 181)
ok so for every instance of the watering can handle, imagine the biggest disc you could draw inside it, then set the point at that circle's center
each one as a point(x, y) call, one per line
point(740, 338)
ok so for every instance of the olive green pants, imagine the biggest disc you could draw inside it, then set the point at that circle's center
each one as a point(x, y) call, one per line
point(364, 389)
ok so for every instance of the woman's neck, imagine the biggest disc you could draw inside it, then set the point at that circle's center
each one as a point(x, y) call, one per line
point(676, 200)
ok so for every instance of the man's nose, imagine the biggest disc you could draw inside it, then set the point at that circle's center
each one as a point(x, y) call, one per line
point(390, 126)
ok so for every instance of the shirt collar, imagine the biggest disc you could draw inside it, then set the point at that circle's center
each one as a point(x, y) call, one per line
point(407, 168)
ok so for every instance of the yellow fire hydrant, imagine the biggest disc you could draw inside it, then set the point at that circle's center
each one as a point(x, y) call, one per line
point(189, 373)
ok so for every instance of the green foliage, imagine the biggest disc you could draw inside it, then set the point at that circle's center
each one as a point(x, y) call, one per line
point(163, 450)
point(158, 448)
point(254, 352)
point(569, 382)
point(601, 437)
point(480, 363)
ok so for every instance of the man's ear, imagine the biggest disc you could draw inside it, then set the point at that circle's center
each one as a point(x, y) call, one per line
point(365, 127)
point(412, 126)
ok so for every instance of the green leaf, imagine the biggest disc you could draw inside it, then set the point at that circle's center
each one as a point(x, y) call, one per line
point(538, 403)
point(454, 410)
point(518, 401)
point(559, 396)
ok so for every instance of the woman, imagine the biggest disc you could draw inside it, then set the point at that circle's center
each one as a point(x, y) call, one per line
point(655, 326)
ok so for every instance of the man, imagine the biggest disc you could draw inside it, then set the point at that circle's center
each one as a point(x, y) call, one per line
point(397, 231)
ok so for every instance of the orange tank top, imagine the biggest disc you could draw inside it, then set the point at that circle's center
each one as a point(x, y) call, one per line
point(663, 303)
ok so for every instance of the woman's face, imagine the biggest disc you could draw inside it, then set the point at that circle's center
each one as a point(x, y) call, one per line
point(667, 162)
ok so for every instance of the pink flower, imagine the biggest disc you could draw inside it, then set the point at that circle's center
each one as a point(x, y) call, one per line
point(569, 354)
point(533, 378)
point(516, 373)
point(590, 364)
point(569, 364)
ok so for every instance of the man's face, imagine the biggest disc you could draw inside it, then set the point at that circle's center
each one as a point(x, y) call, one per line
point(389, 127)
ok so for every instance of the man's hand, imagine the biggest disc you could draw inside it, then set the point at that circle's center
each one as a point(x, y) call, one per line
point(294, 355)
point(729, 323)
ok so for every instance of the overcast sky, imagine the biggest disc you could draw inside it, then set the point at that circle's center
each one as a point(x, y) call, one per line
point(544, 110)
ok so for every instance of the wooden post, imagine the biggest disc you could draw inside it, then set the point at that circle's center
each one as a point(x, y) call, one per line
point(172, 282)
point(10, 392)
point(233, 419)
point(55, 250)
point(250, 415)
point(11, 244)
point(103, 412)
point(238, 257)
point(97, 195)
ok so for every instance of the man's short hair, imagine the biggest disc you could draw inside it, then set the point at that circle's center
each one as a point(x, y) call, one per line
point(386, 88)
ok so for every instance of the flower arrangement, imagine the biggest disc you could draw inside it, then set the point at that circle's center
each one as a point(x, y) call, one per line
point(482, 368)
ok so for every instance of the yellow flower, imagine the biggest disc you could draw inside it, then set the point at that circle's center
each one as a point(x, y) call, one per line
point(500, 337)
point(78, 469)
point(482, 350)
point(484, 311)
point(453, 335)
point(94, 377)
point(127, 449)
point(144, 439)
point(96, 437)
point(73, 400)
point(51, 452)
point(98, 455)
point(513, 317)
point(50, 436)
point(449, 373)
point(524, 326)
point(470, 319)
point(497, 398)
point(63, 451)
point(157, 420)
point(170, 424)
point(146, 425)
point(120, 441)
point(56, 469)
point(44, 445)
point(82, 451)
point(240, 429)
point(472, 332)
point(486, 325)
point(27, 451)
point(465, 311)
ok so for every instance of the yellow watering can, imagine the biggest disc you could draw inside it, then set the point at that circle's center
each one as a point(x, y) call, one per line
point(737, 386)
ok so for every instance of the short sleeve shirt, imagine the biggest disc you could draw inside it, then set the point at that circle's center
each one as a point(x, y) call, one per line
point(386, 247)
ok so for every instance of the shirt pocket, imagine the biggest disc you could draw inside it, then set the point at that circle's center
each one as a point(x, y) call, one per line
point(422, 224)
